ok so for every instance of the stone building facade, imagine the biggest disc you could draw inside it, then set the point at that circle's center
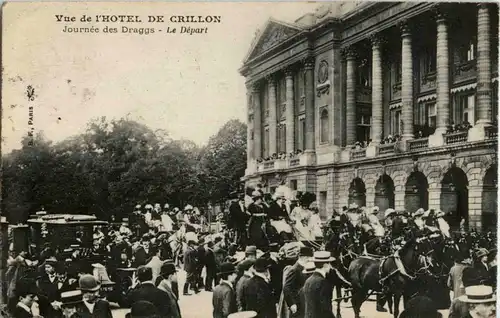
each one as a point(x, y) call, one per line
point(391, 104)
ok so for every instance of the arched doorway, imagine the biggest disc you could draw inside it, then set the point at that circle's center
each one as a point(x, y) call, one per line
point(416, 192)
point(357, 192)
point(489, 216)
point(384, 193)
point(454, 200)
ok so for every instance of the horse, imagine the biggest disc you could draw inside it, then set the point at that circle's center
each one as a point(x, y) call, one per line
point(390, 275)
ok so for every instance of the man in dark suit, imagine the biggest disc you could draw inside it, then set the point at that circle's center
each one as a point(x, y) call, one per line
point(224, 296)
point(143, 252)
point(244, 273)
point(47, 283)
point(238, 219)
point(168, 281)
point(201, 263)
point(479, 273)
point(91, 306)
point(146, 290)
point(27, 292)
point(210, 266)
point(257, 294)
point(295, 280)
point(190, 266)
point(318, 290)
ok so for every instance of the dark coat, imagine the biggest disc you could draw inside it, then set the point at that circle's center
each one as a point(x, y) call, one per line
point(293, 283)
point(315, 306)
point(174, 310)
point(190, 260)
point(19, 312)
point(476, 275)
point(240, 285)
point(276, 212)
point(101, 310)
point(149, 292)
point(201, 256)
point(223, 301)
point(258, 297)
point(141, 256)
point(238, 218)
point(210, 262)
point(49, 289)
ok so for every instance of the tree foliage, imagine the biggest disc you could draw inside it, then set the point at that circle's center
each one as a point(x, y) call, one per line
point(117, 164)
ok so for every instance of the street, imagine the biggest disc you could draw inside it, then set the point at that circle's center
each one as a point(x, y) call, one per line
point(200, 306)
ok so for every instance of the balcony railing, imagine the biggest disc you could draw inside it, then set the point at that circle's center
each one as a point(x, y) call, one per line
point(491, 132)
point(358, 153)
point(418, 144)
point(269, 165)
point(456, 137)
point(384, 149)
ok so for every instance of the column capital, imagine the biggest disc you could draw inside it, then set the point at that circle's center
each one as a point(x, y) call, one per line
point(289, 72)
point(483, 5)
point(440, 14)
point(405, 28)
point(271, 79)
point(349, 53)
point(308, 63)
point(377, 40)
point(255, 87)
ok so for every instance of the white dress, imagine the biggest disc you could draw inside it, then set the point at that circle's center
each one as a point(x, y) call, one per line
point(315, 226)
point(301, 216)
point(167, 222)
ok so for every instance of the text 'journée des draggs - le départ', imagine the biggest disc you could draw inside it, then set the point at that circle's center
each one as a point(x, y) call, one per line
point(139, 25)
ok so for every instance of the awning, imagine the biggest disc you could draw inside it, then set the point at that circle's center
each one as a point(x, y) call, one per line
point(395, 105)
point(426, 98)
point(464, 88)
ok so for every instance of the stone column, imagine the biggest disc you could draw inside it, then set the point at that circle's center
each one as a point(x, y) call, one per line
point(443, 82)
point(351, 123)
point(290, 112)
point(377, 97)
point(310, 132)
point(406, 83)
point(483, 90)
point(250, 143)
point(257, 122)
point(272, 116)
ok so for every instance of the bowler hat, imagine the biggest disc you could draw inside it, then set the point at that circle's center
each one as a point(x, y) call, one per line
point(142, 309)
point(481, 252)
point(88, 282)
point(261, 265)
point(306, 251)
point(227, 268)
point(167, 269)
point(245, 265)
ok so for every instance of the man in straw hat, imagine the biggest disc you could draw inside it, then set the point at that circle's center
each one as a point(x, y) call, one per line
point(91, 305)
point(317, 285)
point(69, 300)
point(257, 294)
point(481, 301)
point(224, 296)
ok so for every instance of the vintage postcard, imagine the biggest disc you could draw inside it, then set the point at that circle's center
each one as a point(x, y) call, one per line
point(265, 159)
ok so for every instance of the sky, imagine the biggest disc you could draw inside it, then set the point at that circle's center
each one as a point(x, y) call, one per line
point(186, 85)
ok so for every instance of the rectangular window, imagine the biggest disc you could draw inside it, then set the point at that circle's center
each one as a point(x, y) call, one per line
point(430, 60)
point(468, 106)
point(364, 77)
point(396, 121)
point(302, 133)
point(431, 115)
point(293, 184)
point(363, 131)
point(323, 195)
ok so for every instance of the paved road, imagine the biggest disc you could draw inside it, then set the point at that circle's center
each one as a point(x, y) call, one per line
point(200, 306)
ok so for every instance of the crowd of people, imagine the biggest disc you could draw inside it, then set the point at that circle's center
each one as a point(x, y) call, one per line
point(272, 258)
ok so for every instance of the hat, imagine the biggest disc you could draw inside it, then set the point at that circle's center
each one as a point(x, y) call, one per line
point(138, 206)
point(420, 306)
point(148, 206)
point(256, 194)
point(142, 309)
point(88, 282)
point(243, 314)
point(388, 212)
point(481, 252)
point(51, 261)
point(309, 268)
point(71, 297)
point(261, 265)
point(439, 214)
point(125, 220)
point(419, 212)
point(375, 210)
point(306, 251)
point(322, 257)
point(245, 265)
point(353, 206)
point(166, 206)
point(188, 207)
point(227, 268)
point(26, 287)
point(478, 294)
point(252, 249)
point(167, 269)
point(176, 209)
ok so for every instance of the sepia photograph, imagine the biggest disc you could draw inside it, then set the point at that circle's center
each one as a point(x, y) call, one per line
point(249, 159)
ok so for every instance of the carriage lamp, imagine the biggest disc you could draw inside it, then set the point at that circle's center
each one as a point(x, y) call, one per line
point(414, 189)
point(451, 186)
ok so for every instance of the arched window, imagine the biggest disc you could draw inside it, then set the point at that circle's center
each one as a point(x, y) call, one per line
point(324, 126)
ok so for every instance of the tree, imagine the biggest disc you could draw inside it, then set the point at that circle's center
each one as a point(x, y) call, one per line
point(224, 161)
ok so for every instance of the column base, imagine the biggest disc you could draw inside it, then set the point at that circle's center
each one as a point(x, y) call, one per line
point(478, 132)
point(437, 139)
point(308, 158)
point(372, 150)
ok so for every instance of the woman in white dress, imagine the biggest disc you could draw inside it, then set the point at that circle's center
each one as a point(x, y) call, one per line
point(315, 225)
point(300, 216)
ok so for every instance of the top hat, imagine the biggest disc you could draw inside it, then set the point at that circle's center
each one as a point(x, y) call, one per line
point(478, 294)
point(309, 268)
point(306, 251)
point(323, 257)
point(71, 297)
point(88, 282)
point(142, 309)
point(167, 269)
point(388, 212)
point(227, 268)
point(251, 249)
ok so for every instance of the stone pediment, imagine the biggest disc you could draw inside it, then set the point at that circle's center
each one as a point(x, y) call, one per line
point(274, 33)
